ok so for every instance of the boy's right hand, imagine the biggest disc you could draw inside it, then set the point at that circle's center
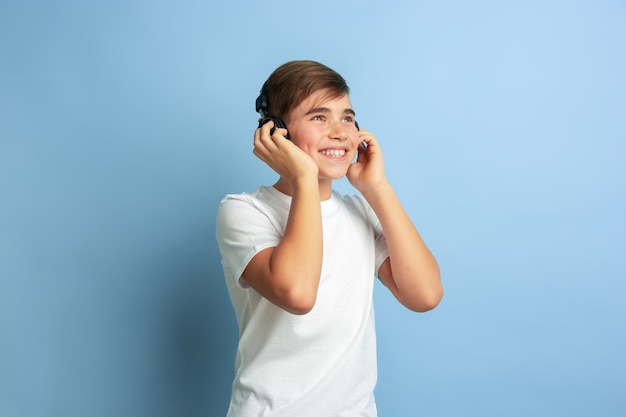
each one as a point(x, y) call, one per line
point(282, 155)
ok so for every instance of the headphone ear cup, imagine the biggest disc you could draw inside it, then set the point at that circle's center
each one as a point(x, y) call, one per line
point(264, 120)
point(278, 124)
point(261, 108)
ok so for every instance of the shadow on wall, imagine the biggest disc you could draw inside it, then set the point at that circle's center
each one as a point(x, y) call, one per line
point(113, 300)
point(197, 326)
point(199, 335)
point(160, 339)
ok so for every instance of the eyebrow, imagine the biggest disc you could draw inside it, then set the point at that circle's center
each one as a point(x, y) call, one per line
point(327, 110)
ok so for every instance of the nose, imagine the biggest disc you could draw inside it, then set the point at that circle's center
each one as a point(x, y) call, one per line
point(338, 130)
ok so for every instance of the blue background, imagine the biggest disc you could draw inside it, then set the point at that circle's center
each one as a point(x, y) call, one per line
point(122, 124)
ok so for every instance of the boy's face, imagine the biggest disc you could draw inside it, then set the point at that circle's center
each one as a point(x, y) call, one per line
point(325, 129)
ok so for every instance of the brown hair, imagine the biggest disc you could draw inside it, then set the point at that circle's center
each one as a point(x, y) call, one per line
point(294, 81)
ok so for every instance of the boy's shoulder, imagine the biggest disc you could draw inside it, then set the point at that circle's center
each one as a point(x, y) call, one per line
point(261, 193)
point(262, 199)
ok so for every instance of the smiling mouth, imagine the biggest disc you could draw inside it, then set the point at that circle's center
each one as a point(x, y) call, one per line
point(334, 153)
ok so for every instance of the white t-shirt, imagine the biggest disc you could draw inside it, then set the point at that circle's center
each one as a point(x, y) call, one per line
point(322, 363)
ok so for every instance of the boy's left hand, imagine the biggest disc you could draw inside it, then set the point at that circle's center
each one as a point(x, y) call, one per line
point(368, 171)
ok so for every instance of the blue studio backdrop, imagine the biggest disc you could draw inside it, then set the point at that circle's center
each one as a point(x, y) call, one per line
point(123, 124)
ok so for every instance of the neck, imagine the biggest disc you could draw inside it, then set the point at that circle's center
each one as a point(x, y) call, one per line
point(325, 187)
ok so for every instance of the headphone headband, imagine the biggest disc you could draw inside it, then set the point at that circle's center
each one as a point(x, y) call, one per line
point(261, 101)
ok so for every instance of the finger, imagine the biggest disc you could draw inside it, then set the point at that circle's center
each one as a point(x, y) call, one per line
point(277, 132)
point(267, 126)
point(272, 131)
point(368, 138)
point(263, 143)
point(265, 133)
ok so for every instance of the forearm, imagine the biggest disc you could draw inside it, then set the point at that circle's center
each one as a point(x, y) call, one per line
point(414, 270)
point(296, 263)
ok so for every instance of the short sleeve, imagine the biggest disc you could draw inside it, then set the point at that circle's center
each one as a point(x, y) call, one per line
point(382, 252)
point(243, 229)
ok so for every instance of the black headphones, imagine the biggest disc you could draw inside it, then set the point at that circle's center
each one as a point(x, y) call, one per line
point(261, 108)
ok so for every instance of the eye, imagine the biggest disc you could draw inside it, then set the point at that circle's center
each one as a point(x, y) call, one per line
point(348, 119)
point(318, 118)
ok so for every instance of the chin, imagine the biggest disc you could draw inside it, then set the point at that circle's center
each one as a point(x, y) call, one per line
point(336, 172)
point(334, 176)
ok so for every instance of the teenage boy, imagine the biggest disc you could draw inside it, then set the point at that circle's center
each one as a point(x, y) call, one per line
point(300, 258)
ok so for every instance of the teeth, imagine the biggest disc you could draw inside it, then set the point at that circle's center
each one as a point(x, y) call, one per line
point(334, 152)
